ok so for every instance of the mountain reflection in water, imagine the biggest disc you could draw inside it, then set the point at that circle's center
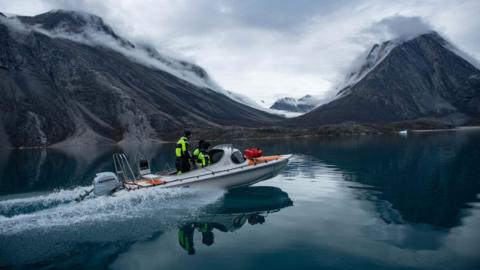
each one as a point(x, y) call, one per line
point(381, 202)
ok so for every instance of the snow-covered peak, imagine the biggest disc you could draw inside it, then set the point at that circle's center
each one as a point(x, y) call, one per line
point(301, 105)
point(288, 101)
point(310, 100)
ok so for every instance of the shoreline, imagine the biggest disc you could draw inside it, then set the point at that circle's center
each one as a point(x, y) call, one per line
point(340, 130)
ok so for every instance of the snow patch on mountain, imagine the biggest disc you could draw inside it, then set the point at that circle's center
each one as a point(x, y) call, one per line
point(284, 113)
point(301, 105)
point(288, 101)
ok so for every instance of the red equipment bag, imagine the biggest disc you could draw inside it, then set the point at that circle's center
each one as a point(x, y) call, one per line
point(252, 153)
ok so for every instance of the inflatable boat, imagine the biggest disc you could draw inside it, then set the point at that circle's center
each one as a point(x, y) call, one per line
point(230, 168)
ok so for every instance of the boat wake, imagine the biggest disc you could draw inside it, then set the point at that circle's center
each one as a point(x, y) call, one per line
point(27, 203)
point(58, 224)
point(60, 208)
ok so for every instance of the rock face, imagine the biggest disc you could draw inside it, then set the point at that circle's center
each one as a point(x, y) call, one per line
point(67, 77)
point(403, 81)
point(301, 105)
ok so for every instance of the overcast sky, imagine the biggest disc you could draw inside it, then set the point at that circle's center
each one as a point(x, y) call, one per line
point(273, 48)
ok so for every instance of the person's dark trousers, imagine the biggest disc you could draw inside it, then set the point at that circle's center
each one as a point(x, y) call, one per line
point(185, 164)
point(182, 164)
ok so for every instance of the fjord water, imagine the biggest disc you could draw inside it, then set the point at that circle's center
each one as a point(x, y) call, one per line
point(381, 202)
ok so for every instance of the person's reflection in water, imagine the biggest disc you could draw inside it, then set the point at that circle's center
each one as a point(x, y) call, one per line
point(207, 233)
point(186, 232)
point(185, 238)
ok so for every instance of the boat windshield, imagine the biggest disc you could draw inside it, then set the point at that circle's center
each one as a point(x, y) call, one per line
point(237, 157)
point(216, 155)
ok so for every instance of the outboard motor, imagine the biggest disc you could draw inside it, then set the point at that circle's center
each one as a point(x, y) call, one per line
point(105, 183)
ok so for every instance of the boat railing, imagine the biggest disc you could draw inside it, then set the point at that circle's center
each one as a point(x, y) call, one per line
point(122, 167)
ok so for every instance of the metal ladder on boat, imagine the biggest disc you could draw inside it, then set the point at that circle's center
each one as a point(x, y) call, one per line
point(122, 168)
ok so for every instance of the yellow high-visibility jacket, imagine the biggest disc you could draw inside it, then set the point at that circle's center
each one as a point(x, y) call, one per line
point(183, 146)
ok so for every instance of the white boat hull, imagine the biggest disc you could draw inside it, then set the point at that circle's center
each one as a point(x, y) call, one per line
point(230, 178)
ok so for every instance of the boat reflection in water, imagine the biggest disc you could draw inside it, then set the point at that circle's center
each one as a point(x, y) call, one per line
point(238, 207)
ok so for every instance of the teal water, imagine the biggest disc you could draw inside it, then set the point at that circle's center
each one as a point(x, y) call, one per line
point(381, 202)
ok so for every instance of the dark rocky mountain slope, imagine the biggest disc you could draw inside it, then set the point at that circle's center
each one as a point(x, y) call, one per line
point(66, 77)
point(422, 78)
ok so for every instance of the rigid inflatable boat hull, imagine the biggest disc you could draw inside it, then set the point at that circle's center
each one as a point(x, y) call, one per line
point(233, 178)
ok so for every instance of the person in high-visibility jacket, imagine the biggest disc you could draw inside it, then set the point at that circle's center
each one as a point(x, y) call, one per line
point(203, 158)
point(196, 151)
point(182, 153)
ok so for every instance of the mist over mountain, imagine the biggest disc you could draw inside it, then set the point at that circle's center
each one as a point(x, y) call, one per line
point(66, 77)
point(423, 77)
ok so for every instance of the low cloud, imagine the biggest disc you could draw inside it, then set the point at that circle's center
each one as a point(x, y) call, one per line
point(92, 36)
point(264, 49)
point(14, 24)
point(399, 27)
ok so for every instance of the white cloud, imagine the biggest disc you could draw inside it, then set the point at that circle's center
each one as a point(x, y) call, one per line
point(14, 24)
point(399, 27)
point(267, 48)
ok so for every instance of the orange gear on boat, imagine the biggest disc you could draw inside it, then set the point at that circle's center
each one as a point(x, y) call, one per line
point(156, 182)
point(253, 161)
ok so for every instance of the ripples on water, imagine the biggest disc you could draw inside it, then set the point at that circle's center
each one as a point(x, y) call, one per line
point(354, 203)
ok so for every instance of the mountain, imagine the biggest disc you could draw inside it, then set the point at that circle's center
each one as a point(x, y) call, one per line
point(66, 77)
point(302, 105)
point(421, 78)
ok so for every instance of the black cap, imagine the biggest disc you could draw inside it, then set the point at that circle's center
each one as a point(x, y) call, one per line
point(187, 133)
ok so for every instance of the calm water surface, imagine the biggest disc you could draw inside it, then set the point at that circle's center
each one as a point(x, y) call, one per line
point(350, 203)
